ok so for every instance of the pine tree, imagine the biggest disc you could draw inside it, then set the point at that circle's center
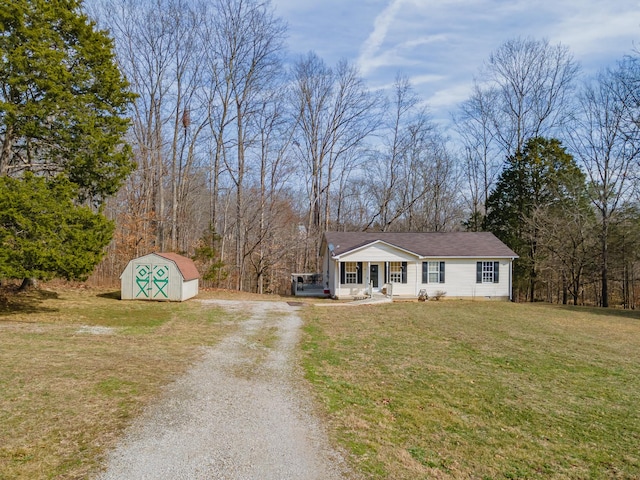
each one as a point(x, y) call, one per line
point(542, 176)
point(43, 234)
point(62, 98)
point(63, 103)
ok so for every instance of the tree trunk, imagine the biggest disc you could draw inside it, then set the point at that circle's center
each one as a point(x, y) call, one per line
point(239, 199)
point(605, 264)
point(28, 284)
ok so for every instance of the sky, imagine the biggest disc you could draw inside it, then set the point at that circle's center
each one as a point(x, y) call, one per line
point(440, 45)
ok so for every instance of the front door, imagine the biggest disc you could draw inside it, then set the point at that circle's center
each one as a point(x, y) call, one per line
point(373, 275)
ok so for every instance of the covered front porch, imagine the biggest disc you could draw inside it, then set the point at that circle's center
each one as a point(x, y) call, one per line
point(356, 280)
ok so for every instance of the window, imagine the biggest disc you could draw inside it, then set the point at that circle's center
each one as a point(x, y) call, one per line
point(350, 272)
point(487, 272)
point(395, 272)
point(432, 272)
point(398, 272)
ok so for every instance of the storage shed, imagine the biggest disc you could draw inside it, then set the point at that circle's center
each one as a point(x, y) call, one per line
point(159, 276)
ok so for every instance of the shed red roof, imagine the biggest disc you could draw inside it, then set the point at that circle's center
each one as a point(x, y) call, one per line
point(425, 244)
point(185, 265)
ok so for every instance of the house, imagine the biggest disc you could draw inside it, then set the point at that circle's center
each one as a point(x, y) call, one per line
point(461, 264)
point(159, 276)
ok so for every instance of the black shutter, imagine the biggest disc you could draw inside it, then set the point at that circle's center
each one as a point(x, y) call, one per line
point(425, 272)
point(359, 270)
point(479, 272)
point(404, 272)
point(496, 272)
point(386, 278)
point(441, 272)
point(342, 273)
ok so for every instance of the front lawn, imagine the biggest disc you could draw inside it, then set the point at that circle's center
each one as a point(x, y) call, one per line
point(77, 366)
point(483, 390)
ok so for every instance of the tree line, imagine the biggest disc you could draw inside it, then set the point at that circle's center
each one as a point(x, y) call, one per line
point(241, 157)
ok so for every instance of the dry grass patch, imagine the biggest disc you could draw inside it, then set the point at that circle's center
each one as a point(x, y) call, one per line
point(479, 389)
point(77, 365)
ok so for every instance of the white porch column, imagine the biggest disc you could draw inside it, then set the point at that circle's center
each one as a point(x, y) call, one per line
point(367, 278)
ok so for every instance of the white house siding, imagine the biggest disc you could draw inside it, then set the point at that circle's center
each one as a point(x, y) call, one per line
point(330, 272)
point(460, 280)
point(409, 288)
point(378, 253)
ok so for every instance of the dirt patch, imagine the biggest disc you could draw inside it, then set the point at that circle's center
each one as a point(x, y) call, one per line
point(96, 330)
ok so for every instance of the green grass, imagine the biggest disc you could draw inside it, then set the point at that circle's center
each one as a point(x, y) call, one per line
point(479, 389)
point(76, 366)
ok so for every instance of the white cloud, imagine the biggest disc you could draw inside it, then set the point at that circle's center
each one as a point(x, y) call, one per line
point(594, 30)
point(441, 44)
point(426, 79)
point(383, 21)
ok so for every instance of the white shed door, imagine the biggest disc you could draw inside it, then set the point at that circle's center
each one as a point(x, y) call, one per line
point(151, 281)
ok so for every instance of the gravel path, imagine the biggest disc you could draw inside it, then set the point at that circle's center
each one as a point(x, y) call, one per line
point(241, 413)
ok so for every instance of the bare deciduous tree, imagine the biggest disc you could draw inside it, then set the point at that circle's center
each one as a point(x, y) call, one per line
point(157, 46)
point(482, 153)
point(534, 83)
point(334, 114)
point(410, 174)
point(606, 139)
point(248, 41)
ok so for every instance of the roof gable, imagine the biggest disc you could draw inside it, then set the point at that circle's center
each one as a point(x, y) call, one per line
point(377, 242)
point(424, 244)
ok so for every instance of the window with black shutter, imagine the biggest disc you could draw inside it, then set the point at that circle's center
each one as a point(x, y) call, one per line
point(487, 272)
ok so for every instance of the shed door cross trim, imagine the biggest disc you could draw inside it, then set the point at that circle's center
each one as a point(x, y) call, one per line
point(142, 280)
point(160, 280)
point(151, 281)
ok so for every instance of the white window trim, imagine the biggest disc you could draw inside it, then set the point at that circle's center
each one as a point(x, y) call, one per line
point(395, 272)
point(487, 272)
point(350, 273)
point(433, 268)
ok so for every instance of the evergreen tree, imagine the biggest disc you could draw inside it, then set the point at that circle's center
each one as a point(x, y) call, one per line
point(44, 234)
point(63, 102)
point(542, 176)
point(62, 98)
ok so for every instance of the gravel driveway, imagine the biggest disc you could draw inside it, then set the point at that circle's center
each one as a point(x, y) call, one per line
point(241, 413)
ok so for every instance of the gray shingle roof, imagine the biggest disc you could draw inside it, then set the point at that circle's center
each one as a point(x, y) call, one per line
point(428, 244)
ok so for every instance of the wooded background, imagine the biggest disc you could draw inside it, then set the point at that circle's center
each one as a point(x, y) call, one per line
point(246, 156)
